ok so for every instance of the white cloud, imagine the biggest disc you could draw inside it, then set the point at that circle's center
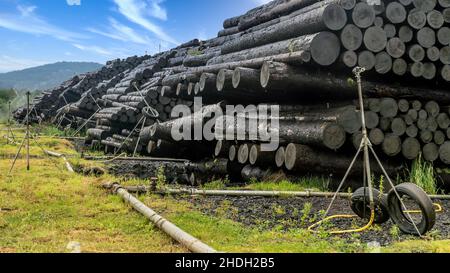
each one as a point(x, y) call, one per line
point(26, 10)
point(8, 63)
point(135, 11)
point(74, 2)
point(261, 2)
point(94, 49)
point(121, 32)
point(157, 11)
point(28, 22)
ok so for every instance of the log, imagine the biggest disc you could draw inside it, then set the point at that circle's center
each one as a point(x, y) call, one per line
point(288, 7)
point(433, 109)
point(246, 78)
point(376, 136)
point(443, 36)
point(439, 138)
point(396, 48)
point(429, 71)
point(280, 157)
point(411, 148)
point(363, 15)
point(324, 48)
point(261, 158)
point(433, 54)
point(416, 69)
point(426, 37)
point(196, 120)
point(406, 34)
point(425, 5)
point(398, 127)
point(208, 82)
point(375, 39)
point(324, 17)
point(430, 152)
point(412, 131)
point(400, 67)
point(383, 63)
point(232, 154)
point(282, 77)
point(445, 55)
point(417, 19)
point(444, 153)
point(349, 58)
point(224, 80)
point(243, 153)
point(391, 31)
point(396, 13)
point(435, 19)
point(300, 158)
point(367, 60)
point(320, 134)
point(445, 73)
point(222, 149)
point(443, 121)
point(351, 37)
point(426, 136)
point(392, 145)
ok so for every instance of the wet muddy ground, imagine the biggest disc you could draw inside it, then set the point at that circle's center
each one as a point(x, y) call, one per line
point(288, 213)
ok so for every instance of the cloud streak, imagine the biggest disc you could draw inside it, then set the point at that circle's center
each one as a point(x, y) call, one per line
point(27, 21)
point(120, 32)
point(94, 49)
point(8, 63)
point(133, 10)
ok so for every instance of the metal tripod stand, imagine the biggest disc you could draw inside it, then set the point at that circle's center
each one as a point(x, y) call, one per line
point(367, 148)
point(10, 137)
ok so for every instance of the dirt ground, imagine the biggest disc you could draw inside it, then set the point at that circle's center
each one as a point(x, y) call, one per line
point(289, 213)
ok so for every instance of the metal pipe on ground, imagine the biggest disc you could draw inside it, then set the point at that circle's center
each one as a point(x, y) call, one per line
point(145, 189)
point(55, 154)
point(187, 240)
point(153, 159)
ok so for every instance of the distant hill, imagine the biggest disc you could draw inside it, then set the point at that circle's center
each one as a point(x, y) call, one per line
point(45, 76)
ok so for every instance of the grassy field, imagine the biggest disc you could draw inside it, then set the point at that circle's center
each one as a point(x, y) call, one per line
point(47, 208)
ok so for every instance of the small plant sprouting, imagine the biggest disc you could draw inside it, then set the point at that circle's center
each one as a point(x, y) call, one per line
point(306, 212)
point(395, 232)
point(381, 186)
point(161, 177)
point(422, 174)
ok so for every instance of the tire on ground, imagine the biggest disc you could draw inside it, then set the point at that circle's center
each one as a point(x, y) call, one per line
point(361, 197)
point(401, 219)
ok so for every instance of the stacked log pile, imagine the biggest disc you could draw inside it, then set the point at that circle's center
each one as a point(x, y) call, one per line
point(298, 54)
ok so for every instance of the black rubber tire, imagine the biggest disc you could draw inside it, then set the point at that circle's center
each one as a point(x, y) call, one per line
point(381, 205)
point(419, 196)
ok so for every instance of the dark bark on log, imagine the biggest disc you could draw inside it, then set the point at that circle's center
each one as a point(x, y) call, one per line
point(301, 158)
point(324, 48)
point(321, 134)
point(328, 17)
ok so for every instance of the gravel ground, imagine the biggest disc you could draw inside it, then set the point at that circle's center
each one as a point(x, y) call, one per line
point(286, 213)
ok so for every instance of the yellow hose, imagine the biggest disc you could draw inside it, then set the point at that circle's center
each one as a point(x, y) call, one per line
point(439, 209)
point(366, 227)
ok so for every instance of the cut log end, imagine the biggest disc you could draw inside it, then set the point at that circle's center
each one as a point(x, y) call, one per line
point(280, 157)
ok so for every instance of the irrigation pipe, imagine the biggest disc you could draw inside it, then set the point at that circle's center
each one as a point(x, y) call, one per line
point(55, 154)
point(149, 159)
point(235, 193)
point(187, 240)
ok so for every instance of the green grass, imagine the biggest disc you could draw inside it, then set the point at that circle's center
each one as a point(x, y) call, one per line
point(317, 184)
point(307, 183)
point(45, 209)
point(422, 174)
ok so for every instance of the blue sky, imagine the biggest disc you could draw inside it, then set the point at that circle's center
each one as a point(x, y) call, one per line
point(36, 32)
